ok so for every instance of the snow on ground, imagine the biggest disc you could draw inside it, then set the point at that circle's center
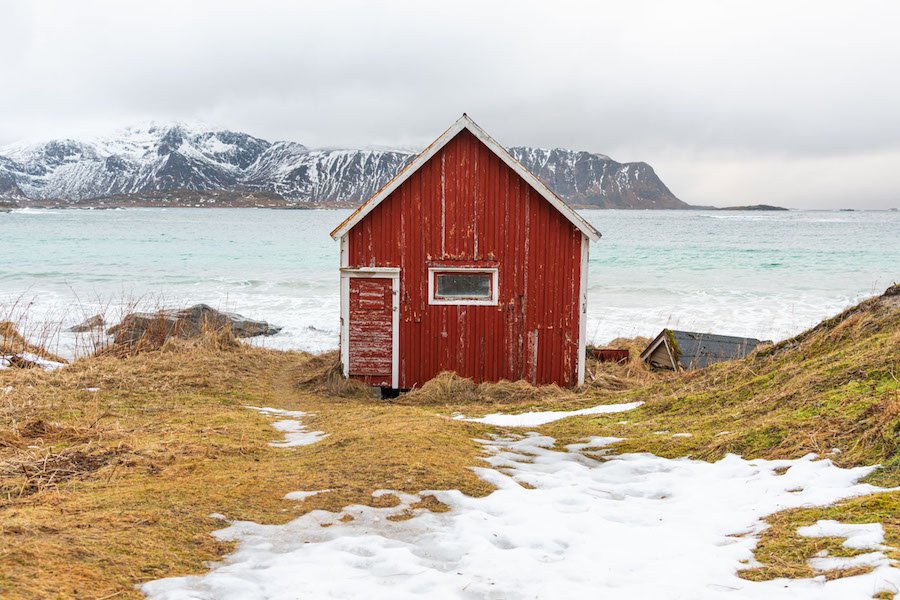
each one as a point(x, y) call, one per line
point(295, 432)
point(47, 365)
point(533, 419)
point(633, 526)
point(303, 495)
point(864, 536)
point(869, 559)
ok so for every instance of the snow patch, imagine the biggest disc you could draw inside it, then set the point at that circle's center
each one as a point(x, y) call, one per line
point(858, 536)
point(593, 443)
point(865, 536)
point(533, 419)
point(295, 433)
point(559, 525)
point(831, 563)
point(39, 361)
point(303, 495)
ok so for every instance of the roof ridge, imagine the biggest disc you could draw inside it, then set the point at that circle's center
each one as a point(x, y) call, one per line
point(465, 122)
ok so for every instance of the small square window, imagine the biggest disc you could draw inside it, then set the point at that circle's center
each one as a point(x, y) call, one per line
point(475, 286)
point(462, 285)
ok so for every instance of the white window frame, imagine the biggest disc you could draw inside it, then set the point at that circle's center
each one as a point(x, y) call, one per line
point(495, 290)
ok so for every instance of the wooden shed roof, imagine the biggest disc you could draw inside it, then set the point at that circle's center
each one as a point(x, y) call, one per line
point(465, 122)
point(692, 350)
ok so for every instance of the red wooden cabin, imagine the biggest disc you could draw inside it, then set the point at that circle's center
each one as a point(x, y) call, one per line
point(464, 262)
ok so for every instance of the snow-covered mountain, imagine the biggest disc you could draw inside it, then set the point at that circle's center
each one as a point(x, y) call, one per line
point(585, 179)
point(179, 157)
point(297, 173)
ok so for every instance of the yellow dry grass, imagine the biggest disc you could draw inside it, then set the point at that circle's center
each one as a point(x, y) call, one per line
point(102, 490)
point(835, 387)
point(12, 342)
point(783, 553)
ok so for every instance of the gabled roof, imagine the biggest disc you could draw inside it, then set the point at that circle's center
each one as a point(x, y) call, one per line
point(464, 122)
point(692, 350)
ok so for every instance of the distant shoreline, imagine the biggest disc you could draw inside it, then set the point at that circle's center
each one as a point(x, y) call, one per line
point(223, 199)
point(228, 200)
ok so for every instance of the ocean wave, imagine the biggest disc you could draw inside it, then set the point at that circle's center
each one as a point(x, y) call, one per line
point(767, 276)
point(28, 211)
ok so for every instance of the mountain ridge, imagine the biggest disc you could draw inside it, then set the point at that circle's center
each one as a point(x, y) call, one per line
point(172, 160)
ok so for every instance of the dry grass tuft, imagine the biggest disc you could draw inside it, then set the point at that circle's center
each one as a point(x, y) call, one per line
point(209, 338)
point(12, 342)
point(323, 375)
point(35, 471)
point(449, 389)
point(611, 376)
point(431, 503)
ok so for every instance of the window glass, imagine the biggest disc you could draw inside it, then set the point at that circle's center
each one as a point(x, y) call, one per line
point(463, 286)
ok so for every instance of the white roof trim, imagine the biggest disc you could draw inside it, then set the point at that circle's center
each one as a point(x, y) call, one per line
point(662, 338)
point(464, 122)
point(659, 339)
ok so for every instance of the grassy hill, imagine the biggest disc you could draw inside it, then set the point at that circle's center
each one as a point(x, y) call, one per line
point(833, 390)
point(111, 467)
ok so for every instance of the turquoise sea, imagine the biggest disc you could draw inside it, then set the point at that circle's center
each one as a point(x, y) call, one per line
point(763, 274)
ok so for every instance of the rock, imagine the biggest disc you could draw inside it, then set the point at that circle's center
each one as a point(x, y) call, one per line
point(95, 322)
point(156, 327)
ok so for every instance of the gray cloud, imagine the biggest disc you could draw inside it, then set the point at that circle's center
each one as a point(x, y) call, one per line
point(732, 102)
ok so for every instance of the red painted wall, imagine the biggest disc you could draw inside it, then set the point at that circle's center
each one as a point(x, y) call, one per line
point(466, 207)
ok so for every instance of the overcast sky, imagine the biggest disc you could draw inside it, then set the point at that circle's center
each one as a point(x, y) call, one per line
point(787, 102)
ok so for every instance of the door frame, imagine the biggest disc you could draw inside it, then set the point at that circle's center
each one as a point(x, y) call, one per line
point(582, 301)
point(392, 273)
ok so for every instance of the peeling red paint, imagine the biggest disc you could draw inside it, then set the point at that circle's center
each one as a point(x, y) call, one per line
point(370, 329)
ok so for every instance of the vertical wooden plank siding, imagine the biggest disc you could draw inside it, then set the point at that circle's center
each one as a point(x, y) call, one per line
point(465, 207)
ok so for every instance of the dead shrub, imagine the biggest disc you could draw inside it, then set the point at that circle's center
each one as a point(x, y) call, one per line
point(883, 425)
point(213, 340)
point(611, 376)
point(38, 428)
point(12, 343)
point(31, 472)
point(448, 388)
point(322, 373)
point(210, 338)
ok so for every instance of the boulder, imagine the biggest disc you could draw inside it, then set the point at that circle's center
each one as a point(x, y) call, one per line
point(95, 322)
point(156, 327)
